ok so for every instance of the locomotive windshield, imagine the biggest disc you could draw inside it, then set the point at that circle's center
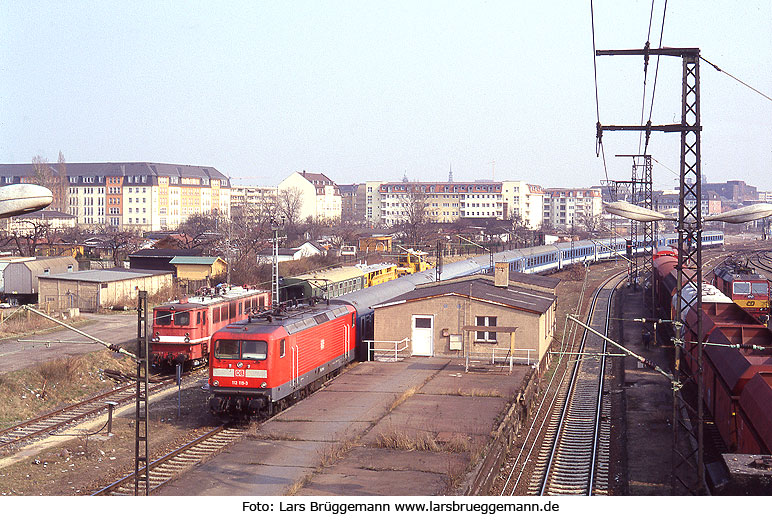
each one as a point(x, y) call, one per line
point(254, 349)
point(226, 349)
point(741, 288)
point(759, 288)
point(163, 318)
point(244, 349)
point(182, 318)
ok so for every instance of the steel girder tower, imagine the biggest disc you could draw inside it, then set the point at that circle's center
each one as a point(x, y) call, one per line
point(141, 458)
point(688, 461)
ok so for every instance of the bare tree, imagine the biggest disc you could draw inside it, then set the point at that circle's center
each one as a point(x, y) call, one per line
point(415, 212)
point(43, 175)
point(587, 221)
point(121, 243)
point(288, 204)
point(27, 234)
point(62, 187)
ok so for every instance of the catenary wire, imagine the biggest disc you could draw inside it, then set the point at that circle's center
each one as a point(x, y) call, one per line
point(656, 74)
point(735, 78)
point(599, 144)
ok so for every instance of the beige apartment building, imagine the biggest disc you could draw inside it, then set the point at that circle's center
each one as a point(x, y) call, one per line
point(138, 195)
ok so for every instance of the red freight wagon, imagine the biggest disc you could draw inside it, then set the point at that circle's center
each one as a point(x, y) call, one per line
point(267, 359)
point(754, 426)
point(182, 330)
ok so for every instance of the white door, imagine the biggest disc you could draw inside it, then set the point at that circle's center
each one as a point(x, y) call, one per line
point(422, 335)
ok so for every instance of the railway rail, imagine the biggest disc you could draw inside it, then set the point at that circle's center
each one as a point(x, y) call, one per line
point(762, 260)
point(54, 421)
point(171, 465)
point(571, 446)
point(575, 460)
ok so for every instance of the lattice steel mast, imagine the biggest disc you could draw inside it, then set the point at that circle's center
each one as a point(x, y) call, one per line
point(689, 256)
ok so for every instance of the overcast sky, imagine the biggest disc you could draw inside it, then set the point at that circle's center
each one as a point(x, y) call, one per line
point(375, 90)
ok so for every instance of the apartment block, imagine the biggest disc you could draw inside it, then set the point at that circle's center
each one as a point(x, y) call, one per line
point(563, 208)
point(254, 199)
point(445, 201)
point(523, 200)
point(320, 196)
point(139, 195)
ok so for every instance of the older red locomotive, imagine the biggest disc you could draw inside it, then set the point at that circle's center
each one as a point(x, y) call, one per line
point(267, 359)
point(745, 287)
point(182, 330)
point(737, 362)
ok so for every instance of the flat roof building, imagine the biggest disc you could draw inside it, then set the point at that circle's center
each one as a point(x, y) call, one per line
point(101, 288)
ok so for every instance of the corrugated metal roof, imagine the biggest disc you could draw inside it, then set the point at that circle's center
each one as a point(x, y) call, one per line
point(335, 275)
point(198, 261)
point(106, 275)
point(482, 289)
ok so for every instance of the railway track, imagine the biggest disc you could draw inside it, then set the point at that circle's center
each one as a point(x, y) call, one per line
point(171, 465)
point(60, 419)
point(762, 260)
point(558, 458)
point(573, 459)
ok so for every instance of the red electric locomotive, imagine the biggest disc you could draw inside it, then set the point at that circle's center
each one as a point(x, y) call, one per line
point(182, 330)
point(745, 287)
point(268, 359)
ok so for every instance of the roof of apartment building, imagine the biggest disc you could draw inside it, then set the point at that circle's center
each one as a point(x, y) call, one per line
point(479, 186)
point(317, 179)
point(46, 214)
point(482, 288)
point(132, 173)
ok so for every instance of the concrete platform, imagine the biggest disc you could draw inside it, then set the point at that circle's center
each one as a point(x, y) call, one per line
point(415, 427)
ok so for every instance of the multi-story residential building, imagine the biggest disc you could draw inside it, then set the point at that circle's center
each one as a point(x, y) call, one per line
point(255, 199)
point(320, 196)
point(352, 202)
point(444, 201)
point(372, 204)
point(523, 200)
point(141, 195)
point(670, 199)
point(564, 208)
point(50, 219)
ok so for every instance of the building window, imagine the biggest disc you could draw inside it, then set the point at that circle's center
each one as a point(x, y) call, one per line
point(485, 336)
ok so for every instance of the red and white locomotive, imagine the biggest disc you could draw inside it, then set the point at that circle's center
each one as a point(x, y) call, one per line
point(182, 330)
point(745, 287)
point(267, 359)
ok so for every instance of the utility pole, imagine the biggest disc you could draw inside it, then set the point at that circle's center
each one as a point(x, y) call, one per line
point(689, 260)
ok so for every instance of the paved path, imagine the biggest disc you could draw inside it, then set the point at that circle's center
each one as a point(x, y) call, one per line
point(332, 442)
point(115, 328)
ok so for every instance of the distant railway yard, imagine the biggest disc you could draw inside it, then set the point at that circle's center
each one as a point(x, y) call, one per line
point(571, 422)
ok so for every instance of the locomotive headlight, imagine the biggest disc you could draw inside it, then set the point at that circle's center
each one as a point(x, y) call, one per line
point(240, 365)
point(187, 338)
point(215, 383)
point(263, 384)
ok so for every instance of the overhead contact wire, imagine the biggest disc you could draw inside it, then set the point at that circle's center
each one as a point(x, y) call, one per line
point(599, 143)
point(656, 73)
point(735, 78)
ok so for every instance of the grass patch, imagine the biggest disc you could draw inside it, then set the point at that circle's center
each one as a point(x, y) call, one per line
point(334, 452)
point(28, 323)
point(402, 398)
point(423, 441)
point(474, 392)
point(36, 390)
